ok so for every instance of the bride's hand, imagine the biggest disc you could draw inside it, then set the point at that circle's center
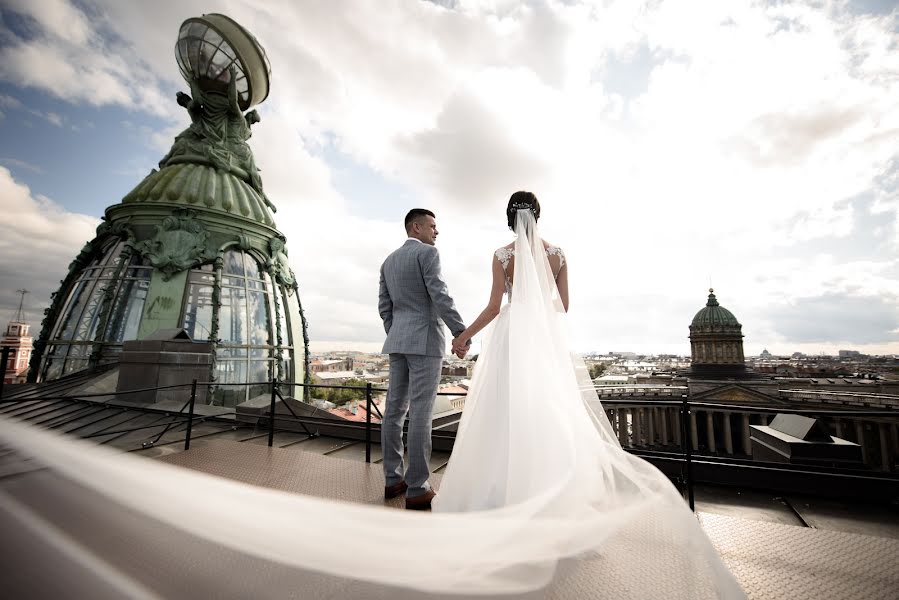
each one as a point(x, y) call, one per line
point(461, 345)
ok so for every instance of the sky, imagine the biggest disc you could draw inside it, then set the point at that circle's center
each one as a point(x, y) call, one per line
point(673, 144)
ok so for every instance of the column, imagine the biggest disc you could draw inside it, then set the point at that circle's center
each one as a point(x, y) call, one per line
point(635, 426)
point(886, 462)
point(710, 431)
point(728, 440)
point(764, 419)
point(663, 424)
point(675, 424)
point(650, 416)
point(622, 426)
point(838, 425)
point(747, 444)
point(694, 434)
point(860, 439)
point(610, 414)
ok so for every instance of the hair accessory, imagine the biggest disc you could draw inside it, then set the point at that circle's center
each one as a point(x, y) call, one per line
point(522, 206)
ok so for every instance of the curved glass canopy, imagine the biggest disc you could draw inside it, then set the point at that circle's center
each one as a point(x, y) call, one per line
point(209, 46)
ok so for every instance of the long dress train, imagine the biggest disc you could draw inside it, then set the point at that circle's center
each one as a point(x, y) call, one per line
point(536, 478)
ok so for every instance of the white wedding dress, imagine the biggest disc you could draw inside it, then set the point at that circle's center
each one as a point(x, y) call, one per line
point(536, 478)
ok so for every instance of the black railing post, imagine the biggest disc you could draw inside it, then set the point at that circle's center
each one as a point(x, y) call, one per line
point(368, 422)
point(271, 421)
point(4, 361)
point(687, 437)
point(190, 413)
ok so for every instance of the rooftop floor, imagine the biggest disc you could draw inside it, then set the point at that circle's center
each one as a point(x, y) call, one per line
point(777, 546)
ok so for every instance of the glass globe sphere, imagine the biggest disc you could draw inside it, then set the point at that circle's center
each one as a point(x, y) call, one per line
point(209, 46)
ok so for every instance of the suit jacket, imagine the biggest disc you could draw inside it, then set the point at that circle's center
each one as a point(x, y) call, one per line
point(413, 300)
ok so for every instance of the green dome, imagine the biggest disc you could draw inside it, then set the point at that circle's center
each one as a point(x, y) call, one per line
point(714, 315)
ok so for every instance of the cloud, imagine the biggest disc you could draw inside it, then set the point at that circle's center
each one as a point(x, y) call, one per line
point(839, 318)
point(757, 145)
point(21, 164)
point(38, 239)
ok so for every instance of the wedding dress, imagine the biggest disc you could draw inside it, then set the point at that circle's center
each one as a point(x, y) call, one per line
point(537, 480)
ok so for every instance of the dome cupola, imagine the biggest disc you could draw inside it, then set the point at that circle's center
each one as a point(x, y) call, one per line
point(716, 342)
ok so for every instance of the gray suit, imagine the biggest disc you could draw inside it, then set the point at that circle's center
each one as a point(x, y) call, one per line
point(413, 300)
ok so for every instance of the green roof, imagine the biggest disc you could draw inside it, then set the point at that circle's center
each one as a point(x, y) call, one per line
point(714, 315)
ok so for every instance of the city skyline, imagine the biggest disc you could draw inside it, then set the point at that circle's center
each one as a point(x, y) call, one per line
point(750, 147)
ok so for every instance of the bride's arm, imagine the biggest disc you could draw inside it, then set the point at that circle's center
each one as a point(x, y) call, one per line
point(493, 305)
point(562, 285)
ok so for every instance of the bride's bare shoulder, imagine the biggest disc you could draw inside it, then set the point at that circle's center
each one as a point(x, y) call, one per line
point(548, 244)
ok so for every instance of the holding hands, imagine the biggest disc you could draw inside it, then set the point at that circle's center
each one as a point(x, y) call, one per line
point(461, 344)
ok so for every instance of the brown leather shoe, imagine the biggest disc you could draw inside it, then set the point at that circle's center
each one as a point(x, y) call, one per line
point(422, 502)
point(392, 491)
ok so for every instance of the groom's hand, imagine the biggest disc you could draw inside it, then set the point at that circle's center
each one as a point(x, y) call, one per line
point(460, 349)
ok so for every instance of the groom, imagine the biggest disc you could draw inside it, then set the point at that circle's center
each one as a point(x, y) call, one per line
point(412, 300)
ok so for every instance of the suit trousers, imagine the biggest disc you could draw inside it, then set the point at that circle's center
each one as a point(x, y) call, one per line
point(412, 389)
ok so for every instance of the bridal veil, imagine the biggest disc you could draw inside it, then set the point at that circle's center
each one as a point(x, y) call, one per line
point(569, 491)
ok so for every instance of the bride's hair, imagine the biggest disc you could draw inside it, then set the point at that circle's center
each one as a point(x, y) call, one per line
point(518, 201)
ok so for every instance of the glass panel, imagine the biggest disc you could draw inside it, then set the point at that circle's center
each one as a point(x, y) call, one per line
point(228, 50)
point(198, 312)
point(196, 29)
point(87, 325)
point(219, 65)
point(233, 281)
point(76, 307)
point(77, 359)
point(255, 284)
point(129, 307)
point(259, 352)
point(233, 316)
point(233, 263)
point(242, 85)
point(252, 268)
point(259, 371)
point(259, 331)
point(139, 273)
point(231, 371)
point(193, 53)
point(55, 358)
point(212, 37)
point(233, 352)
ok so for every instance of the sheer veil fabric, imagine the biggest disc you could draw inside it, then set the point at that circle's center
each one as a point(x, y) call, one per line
point(535, 477)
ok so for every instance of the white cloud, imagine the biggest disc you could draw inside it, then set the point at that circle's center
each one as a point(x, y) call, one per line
point(757, 124)
point(38, 239)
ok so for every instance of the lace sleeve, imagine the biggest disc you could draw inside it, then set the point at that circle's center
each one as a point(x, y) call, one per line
point(558, 252)
point(503, 255)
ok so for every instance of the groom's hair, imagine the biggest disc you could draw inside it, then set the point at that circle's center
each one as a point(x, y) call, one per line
point(415, 215)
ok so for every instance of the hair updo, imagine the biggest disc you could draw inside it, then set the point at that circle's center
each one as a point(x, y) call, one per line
point(522, 200)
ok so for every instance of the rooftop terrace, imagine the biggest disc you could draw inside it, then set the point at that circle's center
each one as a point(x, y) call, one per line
point(777, 544)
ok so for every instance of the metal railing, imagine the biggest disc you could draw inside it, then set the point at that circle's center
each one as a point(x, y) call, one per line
point(682, 454)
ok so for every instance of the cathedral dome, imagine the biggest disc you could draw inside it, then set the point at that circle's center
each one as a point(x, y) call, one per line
point(714, 316)
point(716, 342)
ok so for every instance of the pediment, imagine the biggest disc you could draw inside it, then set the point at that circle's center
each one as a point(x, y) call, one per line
point(735, 393)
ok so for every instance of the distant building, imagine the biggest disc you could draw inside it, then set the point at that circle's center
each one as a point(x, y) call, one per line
point(17, 339)
point(607, 380)
point(716, 342)
point(19, 342)
point(850, 354)
point(765, 354)
point(331, 365)
point(333, 377)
